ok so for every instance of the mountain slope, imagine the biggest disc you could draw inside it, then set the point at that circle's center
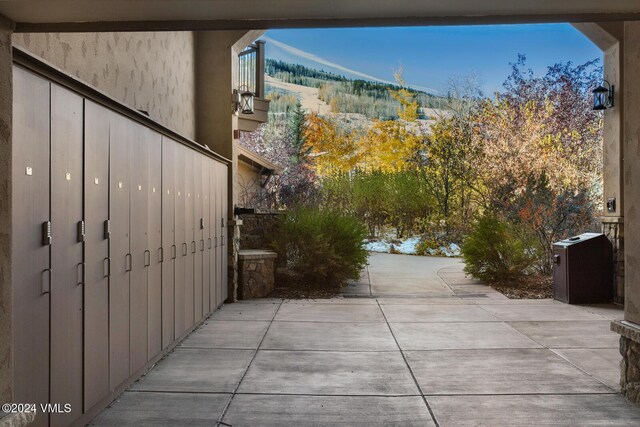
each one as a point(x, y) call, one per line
point(308, 96)
point(323, 92)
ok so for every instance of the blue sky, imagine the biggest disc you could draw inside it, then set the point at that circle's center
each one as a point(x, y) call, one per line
point(430, 55)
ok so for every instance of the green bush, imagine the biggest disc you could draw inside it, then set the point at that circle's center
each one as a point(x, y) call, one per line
point(322, 247)
point(381, 200)
point(499, 251)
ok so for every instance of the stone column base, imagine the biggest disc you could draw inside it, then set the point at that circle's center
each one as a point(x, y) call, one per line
point(234, 248)
point(257, 271)
point(613, 228)
point(630, 364)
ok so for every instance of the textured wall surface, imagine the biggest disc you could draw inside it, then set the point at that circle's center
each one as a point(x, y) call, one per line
point(613, 132)
point(153, 71)
point(257, 272)
point(249, 192)
point(614, 230)
point(630, 363)
point(630, 369)
point(632, 171)
point(6, 114)
point(258, 230)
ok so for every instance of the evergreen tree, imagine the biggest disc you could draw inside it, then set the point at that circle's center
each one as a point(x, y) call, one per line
point(298, 126)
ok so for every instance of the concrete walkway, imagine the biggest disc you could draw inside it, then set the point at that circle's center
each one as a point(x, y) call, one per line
point(414, 343)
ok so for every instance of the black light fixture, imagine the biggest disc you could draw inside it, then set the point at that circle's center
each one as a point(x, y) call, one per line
point(603, 96)
point(243, 100)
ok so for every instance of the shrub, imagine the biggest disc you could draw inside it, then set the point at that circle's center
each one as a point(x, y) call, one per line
point(382, 199)
point(322, 246)
point(499, 251)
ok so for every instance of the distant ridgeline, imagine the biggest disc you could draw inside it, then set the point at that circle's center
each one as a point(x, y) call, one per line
point(344, 95)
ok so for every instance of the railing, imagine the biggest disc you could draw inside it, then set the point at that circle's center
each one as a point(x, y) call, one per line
point(251, 69)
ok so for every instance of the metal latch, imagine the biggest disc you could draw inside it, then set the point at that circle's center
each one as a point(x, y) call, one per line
point(81, 231)
point(107, 229)
point(201, 223)
point(46, 233)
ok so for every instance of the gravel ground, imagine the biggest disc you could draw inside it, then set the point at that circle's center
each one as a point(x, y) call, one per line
point(532, 287)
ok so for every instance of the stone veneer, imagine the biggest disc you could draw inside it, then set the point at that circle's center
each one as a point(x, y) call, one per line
point(613, 228)
point(257, 269)
point(630, 364)
point(258, 229)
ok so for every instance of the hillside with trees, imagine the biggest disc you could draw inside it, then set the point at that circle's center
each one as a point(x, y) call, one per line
point(371, 99)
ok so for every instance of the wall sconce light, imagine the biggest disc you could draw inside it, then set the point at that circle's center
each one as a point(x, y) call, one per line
point(243, 100)
point(603, 96)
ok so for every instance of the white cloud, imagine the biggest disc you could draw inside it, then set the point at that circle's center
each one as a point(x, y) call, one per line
point(314, 58)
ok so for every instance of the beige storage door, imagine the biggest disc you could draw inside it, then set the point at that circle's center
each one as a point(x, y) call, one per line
point(96, 253)
point(67, 278)
point(30, 253)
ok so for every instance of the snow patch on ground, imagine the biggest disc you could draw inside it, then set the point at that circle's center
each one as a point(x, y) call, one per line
point(408, 247)
point(451, 250)
point(377, 246)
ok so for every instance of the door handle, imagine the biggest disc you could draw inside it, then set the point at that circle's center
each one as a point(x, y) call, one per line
point(193, 247)
point(160, 255)
point(209, 243)
point(127, 262)
point(173, 251)
point(46, 284)
point(222, 240)
point(80, 273)
point(147, 258)
point(215, 242)
point(202, 245)
point(106, 267)
point(184, 249)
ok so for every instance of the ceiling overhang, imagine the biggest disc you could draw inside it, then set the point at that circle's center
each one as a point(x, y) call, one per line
point(188, 15)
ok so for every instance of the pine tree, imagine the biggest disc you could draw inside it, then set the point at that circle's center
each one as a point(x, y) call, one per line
point(298, 126)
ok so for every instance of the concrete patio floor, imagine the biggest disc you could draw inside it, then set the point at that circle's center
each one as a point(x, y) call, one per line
point(414, 343)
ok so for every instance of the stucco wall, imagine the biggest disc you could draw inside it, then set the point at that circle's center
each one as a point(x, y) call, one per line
point(248, 186)
point(153, 71)
point(612, 132)
point(6, 111)
point(632, 171)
